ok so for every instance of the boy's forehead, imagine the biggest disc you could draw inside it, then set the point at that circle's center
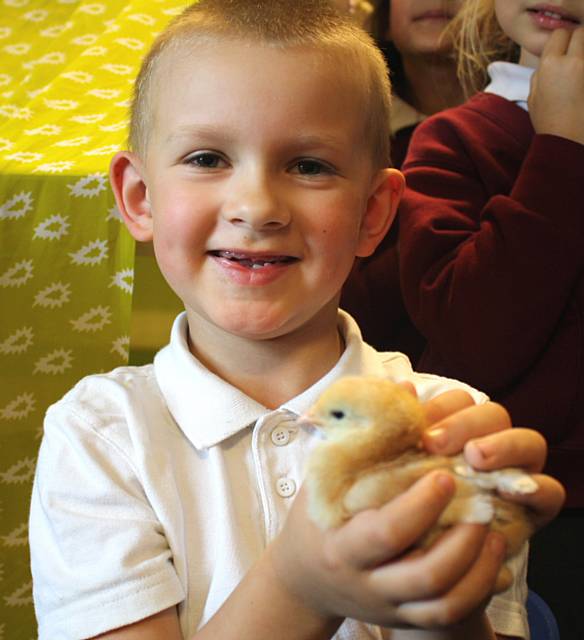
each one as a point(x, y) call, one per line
point(230, 67)
point(340, 63)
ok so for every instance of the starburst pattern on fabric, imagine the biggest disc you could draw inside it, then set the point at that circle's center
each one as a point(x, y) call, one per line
point(93, 320)
point(91, 254)
point(21, 597)
point(113, 213)
point(18, 537)
point(20, 472)
point(54, 227)
point(17, 275)
point(20, 407)
point(61, 105)
point(118, 69)
point(55, 362)
point(82, 77)
point(73, 142)
point(91, 118)
point(25, 156)
point(44, 130)
point(121, 346)
point(53, 296)
point(124, 280)
point(18, 342)
point(17, 207)
point(59, 166)
point(15, 112)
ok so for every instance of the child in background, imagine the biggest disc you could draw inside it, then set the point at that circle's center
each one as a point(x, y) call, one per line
point(166, 501)
point(422, 66)
point(492, 246)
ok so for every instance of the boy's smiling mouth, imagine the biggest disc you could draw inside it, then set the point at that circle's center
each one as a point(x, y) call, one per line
point(253, 260)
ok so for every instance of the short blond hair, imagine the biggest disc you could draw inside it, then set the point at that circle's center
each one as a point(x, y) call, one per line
point(478, 40)
point(285, 24)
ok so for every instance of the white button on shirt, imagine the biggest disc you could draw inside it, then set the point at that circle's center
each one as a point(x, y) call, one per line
point(286, 487)
point(162, 485)
point(280, 436)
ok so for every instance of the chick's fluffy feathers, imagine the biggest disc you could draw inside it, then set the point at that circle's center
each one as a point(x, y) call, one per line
point(372, 453)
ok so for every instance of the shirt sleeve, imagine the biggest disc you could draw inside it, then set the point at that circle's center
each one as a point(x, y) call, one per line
point(99, 555)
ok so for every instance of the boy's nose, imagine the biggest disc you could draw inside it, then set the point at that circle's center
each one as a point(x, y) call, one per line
point(253, 201)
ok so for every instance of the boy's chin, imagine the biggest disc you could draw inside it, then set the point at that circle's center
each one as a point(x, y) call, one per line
point(260, 324)
point(247, 324)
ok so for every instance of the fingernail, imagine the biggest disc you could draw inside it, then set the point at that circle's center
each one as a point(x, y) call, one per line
point(482, 448)
point(438, 437)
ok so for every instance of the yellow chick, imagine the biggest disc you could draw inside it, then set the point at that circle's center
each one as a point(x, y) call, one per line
point(372, 452)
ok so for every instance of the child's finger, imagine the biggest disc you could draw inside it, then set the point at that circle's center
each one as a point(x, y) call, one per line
point(557, 43)
point(446, 404)
point(379, 535)
point(515, 447)
point(576, 45)
point(434, 572)
point(475, 587)
point(546, 502)
point(449, 436)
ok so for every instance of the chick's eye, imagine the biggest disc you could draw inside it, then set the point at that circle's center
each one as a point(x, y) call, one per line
point(206, 160)
point(337, 415)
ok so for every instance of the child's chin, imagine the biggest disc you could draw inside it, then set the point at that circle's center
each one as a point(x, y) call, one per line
point(253, 326)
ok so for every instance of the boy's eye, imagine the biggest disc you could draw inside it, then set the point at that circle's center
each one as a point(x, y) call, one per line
point(308, 167)
point(206, 160)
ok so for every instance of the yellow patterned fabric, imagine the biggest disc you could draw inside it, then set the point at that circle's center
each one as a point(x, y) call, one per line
point(66, 261)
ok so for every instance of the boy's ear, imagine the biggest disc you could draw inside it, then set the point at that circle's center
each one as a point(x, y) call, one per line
point(386, 192)
point(131, 194)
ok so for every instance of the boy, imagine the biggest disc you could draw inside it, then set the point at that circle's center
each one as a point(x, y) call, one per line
point(161, 506)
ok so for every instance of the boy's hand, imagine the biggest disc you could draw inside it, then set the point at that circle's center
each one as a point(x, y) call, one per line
point(485, 435)
point(556, 99)
point(367, 570)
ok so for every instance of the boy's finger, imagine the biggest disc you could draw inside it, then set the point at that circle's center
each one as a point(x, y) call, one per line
point(515, 447)
point(379, 535)
point(429, 574)
point(449, 436)
point(546, 502)
point(473, 589)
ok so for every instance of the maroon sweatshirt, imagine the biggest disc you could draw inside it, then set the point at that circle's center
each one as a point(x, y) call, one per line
point(492, 267)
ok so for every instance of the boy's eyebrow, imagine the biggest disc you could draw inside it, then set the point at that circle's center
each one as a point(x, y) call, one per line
point(309, 140)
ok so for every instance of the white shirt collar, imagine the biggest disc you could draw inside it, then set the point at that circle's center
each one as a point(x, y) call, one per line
point(510, 81)
point(210, 410)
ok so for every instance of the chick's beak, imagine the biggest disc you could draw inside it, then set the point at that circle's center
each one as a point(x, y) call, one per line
point(309, 419)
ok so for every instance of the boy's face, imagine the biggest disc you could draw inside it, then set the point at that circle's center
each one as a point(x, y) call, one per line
point(256, 185)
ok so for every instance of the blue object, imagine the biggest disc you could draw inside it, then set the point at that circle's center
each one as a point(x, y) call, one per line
point(542, 622)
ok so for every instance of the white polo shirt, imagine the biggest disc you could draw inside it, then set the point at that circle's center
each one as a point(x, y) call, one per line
point(161, 485)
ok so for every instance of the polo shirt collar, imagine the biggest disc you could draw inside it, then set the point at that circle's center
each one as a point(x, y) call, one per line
point(209, 410)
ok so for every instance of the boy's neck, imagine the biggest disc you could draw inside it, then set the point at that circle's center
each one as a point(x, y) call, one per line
point(432, 83)
point(270, 371)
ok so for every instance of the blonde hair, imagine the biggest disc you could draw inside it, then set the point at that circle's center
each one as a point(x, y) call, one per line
point(279, 23)
point(478, 40)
